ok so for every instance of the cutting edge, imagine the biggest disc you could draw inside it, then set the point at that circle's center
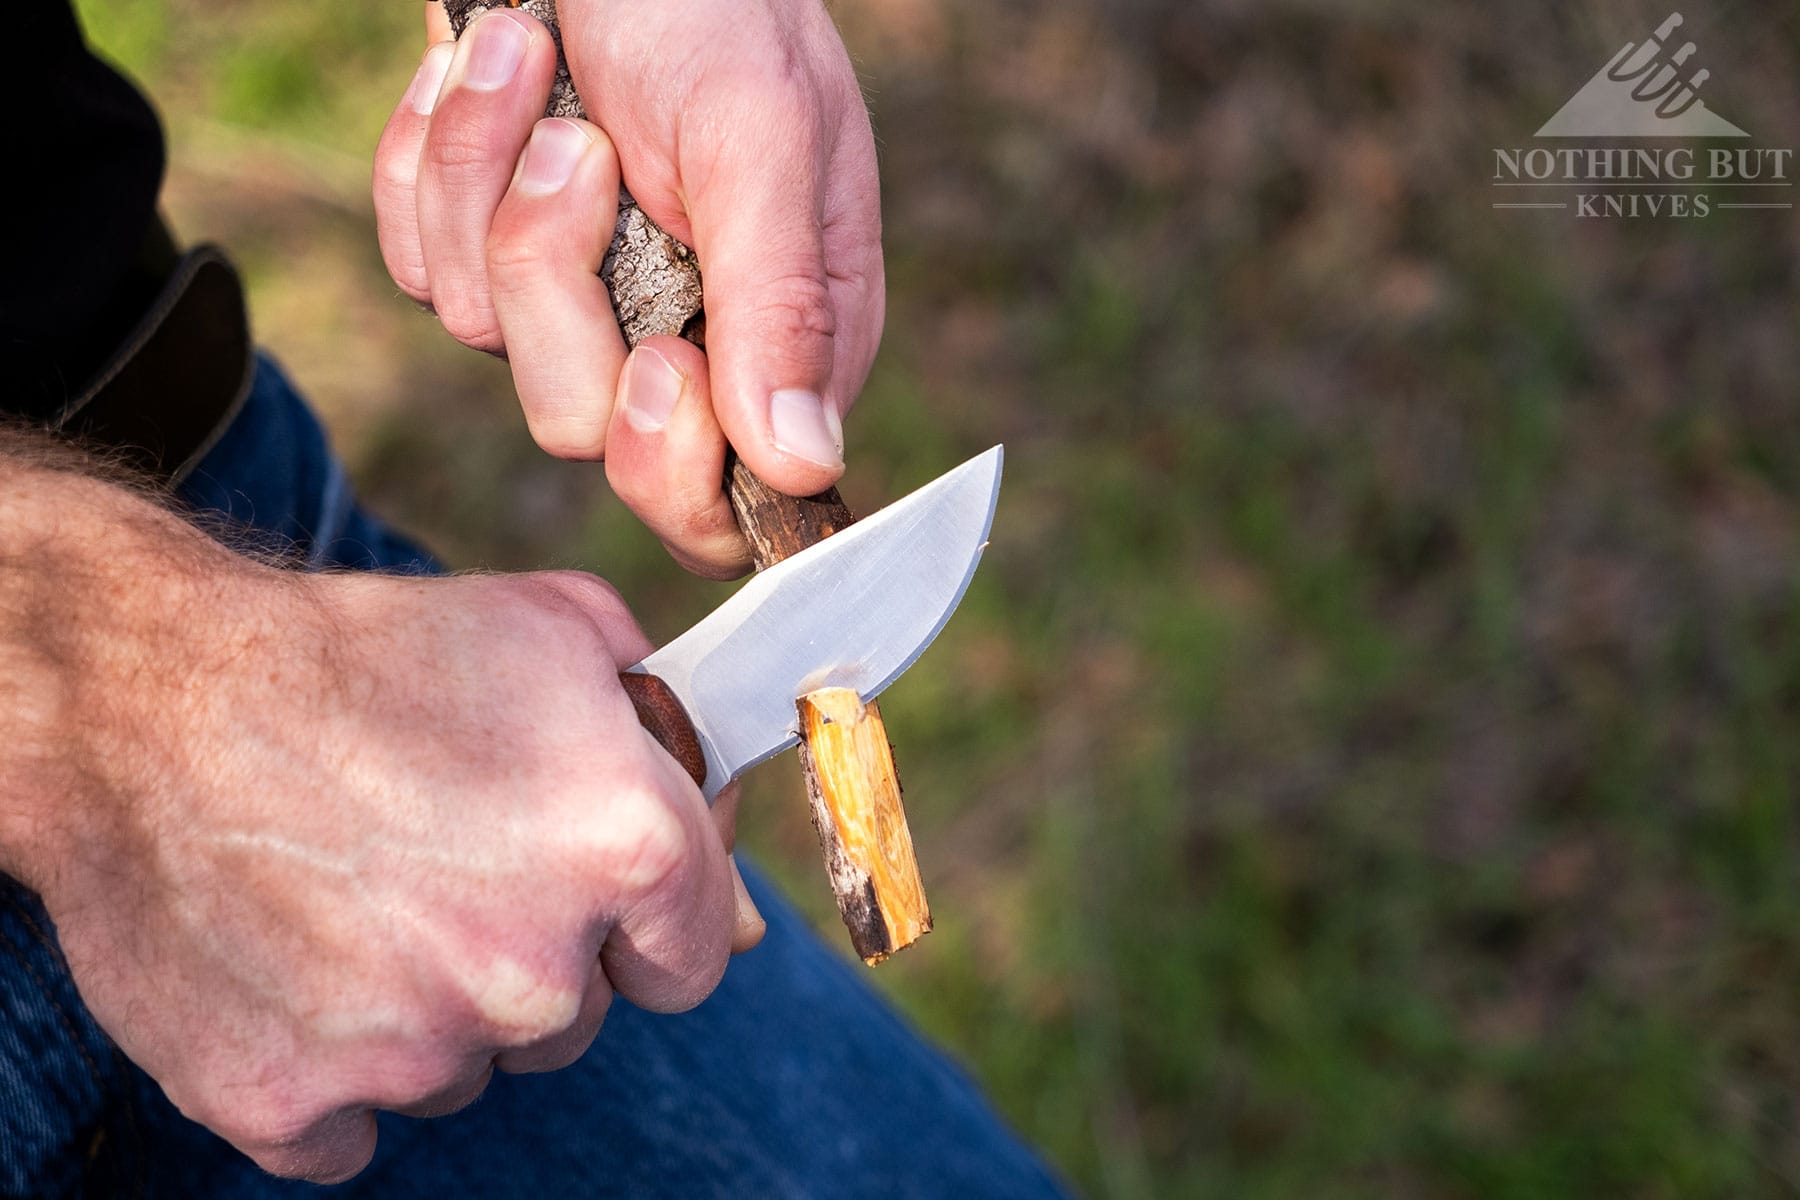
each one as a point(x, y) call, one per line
point(718, 772)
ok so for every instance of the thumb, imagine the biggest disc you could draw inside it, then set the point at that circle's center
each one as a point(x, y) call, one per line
point(771, 316)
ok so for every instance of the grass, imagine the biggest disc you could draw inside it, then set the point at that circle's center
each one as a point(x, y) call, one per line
point(1365, 764)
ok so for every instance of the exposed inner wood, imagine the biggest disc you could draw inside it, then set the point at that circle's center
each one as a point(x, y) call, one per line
point(861, 823)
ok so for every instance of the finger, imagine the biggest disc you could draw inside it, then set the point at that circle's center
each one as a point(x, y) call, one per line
point(543, 259)
point(750, 924)
point(452, 1097)
point(397, 173)
point(494, 92)
point(724, 814)
point(665, 458)
point(853, 262)
point(437, 22)
point(555, 1053)
point(757, 210)
point(676, 914)
point(858, 294)
point(331, 1151)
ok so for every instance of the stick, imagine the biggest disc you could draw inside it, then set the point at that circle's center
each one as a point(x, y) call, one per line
point(655, 285)
point(856, 810)
point(852, 781)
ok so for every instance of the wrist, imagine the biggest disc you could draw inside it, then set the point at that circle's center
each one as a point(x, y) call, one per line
point(110, 609)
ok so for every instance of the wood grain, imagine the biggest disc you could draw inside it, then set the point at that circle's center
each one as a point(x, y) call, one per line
point(857, 813)
point(660, 712)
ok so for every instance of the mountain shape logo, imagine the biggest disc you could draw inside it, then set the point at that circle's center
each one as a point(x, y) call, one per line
point(1647, 90)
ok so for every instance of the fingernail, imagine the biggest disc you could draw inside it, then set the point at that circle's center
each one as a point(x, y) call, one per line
point(422, 93)
point(498, 49)
point(805, 426)
point(748, 917)
point(556, 146)
point(652, 388)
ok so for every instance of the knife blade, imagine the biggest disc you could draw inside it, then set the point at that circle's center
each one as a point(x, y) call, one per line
point(855, 611)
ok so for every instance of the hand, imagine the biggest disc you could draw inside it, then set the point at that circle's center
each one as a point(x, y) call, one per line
point(327, 844)
point(740, 129)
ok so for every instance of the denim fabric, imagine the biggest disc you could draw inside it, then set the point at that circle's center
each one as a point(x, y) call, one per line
point(792, 1080)
point(275, 481)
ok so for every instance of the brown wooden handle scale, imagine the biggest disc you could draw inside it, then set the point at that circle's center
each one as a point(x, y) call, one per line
point(655, 285)
point(660, 712)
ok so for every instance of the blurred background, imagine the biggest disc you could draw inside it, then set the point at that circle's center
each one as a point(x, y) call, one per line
point(1366, 762)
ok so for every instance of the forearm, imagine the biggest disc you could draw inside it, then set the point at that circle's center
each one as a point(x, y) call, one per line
point(104, 598)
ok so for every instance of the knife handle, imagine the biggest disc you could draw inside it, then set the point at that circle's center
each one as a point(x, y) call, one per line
point(662, 715)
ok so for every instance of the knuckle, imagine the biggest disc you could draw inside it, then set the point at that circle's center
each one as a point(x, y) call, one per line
point(579, 614)
point(684, 514)
point(584, 596)
point(551, 1053)
point(573, 439)
point(514, 254)
point(788, 88)
point(706, 537)
point(720, 560)
point(696, 523)
point(859, 265)
point(458, 145)
point(313, 1164)
point(459, 1094)
point(796, 307)
point(415, 1081)
point(407, 269)
point(563, 1054)
point(276, 1128)
point(395, 179)
point(657, 849)
point(469, 321)
point(518, 1005)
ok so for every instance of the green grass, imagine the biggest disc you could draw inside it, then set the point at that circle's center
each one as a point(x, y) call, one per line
point(1365, 764)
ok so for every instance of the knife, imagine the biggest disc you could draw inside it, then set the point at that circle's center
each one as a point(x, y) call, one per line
point(853, 611)
point(846, 760)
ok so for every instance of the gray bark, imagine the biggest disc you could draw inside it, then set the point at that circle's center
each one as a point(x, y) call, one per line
point(653, 279)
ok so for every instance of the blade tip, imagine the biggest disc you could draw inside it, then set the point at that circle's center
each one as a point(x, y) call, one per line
point(993, 459)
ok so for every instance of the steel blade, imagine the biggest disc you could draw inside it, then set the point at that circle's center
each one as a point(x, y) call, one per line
point(853, 611)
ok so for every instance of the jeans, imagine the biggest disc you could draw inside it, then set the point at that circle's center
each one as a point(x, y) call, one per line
point(792, 1080)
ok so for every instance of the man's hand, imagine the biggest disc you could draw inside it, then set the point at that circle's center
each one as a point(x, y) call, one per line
point(317, 845)
point(739, 127)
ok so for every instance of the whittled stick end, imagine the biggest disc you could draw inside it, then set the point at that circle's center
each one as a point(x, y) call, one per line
point(857, 812)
